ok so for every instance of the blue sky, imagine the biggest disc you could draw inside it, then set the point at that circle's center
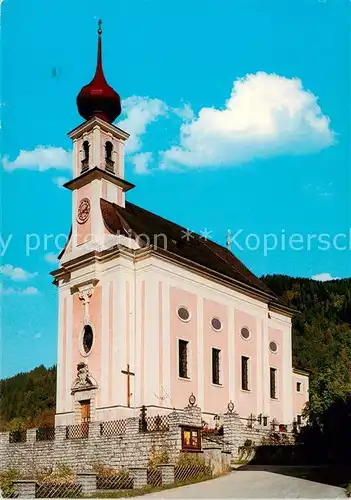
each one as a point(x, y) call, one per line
point(239, 118)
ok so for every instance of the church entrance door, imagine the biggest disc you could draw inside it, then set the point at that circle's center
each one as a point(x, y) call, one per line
point(85, 416)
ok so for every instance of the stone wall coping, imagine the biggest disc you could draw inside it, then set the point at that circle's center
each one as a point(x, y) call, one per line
point(191, 425)
point(88, 473)
point(25, 481)
point(191, 451)
point(166, 465)
point(137, 468)
point(211, 447)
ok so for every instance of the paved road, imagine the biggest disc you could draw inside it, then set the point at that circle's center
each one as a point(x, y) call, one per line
point(254, 484)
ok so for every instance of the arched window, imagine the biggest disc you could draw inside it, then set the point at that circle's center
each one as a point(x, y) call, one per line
point(108, 156)
point(85, 160)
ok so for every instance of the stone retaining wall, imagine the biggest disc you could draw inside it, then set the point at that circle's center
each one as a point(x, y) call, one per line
point(132, 449)
point(237, 431)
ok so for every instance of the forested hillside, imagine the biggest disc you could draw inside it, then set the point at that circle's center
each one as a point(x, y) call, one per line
point(321, 336)
point(322, 332)
point(28, 399)
point(321, 344)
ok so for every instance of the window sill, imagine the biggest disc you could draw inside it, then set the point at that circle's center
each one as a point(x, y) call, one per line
point(246, 391)
point(217, 385)
point(184, 379)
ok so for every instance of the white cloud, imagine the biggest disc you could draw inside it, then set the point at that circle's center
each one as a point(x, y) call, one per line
point(265, 115)
point(141, 162)
point(324, 277)
point(41, 158)
point(37, 336)
point(185, 112)
point(30, 290)
point(51, 258)
point(60, 181)
point(16, 273)
point(140, 112)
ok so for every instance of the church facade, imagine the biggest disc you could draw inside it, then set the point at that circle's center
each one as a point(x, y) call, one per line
point(150, 313)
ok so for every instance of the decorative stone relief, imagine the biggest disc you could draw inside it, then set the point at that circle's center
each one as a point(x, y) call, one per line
point(84, 379)
point(85, 296)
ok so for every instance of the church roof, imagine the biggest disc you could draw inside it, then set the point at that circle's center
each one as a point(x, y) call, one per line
point(136, 221)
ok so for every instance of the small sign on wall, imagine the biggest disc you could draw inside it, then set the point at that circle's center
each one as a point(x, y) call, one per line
point(191, 439)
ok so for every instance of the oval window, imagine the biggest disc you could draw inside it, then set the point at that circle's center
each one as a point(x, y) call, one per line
point(183, 314)
point(245, 333)
point(273, 346)
point(216, 324)
point(87, 339)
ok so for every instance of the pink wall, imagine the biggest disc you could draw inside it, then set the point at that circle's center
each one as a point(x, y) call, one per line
point(63, 388)
point(93, 360)
point(83, 230)
point(110, 340)
point(142, 340)
point(276, 361)
point(160, 345)
point(245, 401)
point(299, 398)
point(215, 396)
point(182, 388)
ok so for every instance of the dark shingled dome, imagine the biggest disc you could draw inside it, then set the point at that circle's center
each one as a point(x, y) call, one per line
point(98, 98)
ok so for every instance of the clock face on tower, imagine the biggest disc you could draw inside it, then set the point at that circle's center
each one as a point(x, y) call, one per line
point(83, 210)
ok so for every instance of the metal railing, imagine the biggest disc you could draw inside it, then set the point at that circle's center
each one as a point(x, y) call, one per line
point(187, 472)
point(113, 428)
point(78, 431)
point(159, 423)
point(114, 480)
point(154, 477)
point(45, 434)
point(58, 490)
point(19, 436)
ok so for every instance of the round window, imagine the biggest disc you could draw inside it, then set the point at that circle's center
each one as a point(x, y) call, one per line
point(273, 346)
point(88, 338)
point(245, 333)
point(216, 324)
point(183, 314)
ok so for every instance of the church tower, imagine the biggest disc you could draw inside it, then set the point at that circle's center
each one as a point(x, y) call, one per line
point(91, 361)
point(98, 152)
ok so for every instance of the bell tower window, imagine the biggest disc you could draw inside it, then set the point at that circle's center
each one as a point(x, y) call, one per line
point(110, 164)
point(85, 160)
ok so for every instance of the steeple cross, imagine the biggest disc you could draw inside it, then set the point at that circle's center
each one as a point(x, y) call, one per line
point(129, 374)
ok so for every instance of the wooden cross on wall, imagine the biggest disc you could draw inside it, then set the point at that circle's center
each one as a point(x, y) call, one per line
point(129, 374)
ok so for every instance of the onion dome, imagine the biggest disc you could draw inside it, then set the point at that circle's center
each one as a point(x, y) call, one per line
point(98, 98)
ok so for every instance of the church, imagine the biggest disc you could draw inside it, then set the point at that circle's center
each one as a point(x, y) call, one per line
point(151, 314)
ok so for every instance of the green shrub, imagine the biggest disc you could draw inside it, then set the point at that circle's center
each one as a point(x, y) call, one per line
point(190, 459)
point(158, 457)
point(6, 483)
